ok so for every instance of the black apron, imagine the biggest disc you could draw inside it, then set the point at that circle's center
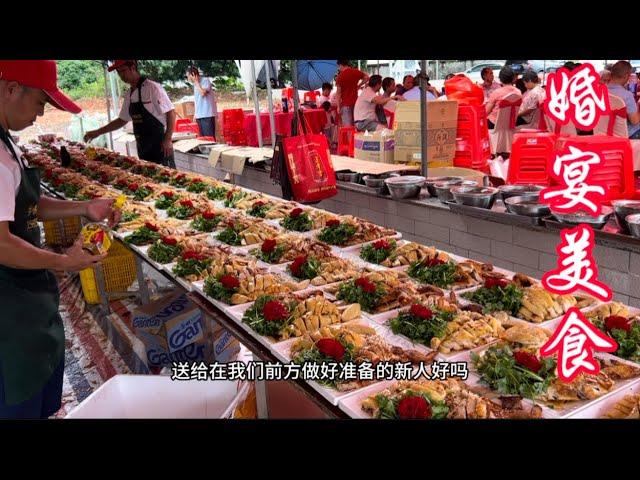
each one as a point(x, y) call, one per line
point(148, 130)
point(31, 330)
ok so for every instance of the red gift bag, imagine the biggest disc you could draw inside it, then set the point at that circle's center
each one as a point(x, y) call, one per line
point(310, 168)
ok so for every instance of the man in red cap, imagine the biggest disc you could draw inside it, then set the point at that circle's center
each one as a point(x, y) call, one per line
point(31, 332)
point(148, 106)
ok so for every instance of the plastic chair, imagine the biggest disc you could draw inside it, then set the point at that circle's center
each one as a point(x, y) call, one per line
point(531, 155)
point(473, 147)
point(615, 124)
point(186, 125)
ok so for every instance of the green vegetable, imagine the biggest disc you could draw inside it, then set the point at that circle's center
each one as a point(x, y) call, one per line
point(69, 190)
point(301, 223)
point(179, 181)
point(442, 275)
point(259, 211)
point(205, 224)
point(272, 257)
point(352, 293)
point(129, 216)
point(388, 406)
point(181, 212)
point(163, 253)
point(377, 255)
point(163, 202)
point(215, 289)
point(313, 355)
point(495, 299)
point(196, 187)
point(419, 329)
point(628, 342)
point(499, 370)
point(141, 193)
point(150, 172)
point(161, 177)
point(84, 197)
point(216, 193)
point(142, 236)
point(338, 235)
point(309, 269)
point(255, 319)
point(235, 198)
point(230, 236)
point(192, 266)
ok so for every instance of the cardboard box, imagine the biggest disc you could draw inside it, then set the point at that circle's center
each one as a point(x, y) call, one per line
point(442, 120)
point(173, 329)
point(185, 109)
point(375, 146)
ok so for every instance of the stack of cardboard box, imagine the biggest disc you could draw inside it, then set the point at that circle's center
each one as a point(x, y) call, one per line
point(442, 118)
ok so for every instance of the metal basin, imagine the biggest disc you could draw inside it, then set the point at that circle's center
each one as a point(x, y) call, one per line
point(634, 224)
point(528, 206)
point(596, 221)
point(481, 197)
point(431, 181)
point(407, 186)
point(622, 209)
point(348, 177)
point(530, 190)
point(443, 189)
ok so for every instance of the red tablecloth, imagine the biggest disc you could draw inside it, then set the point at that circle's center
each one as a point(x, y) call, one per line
point(316, 119)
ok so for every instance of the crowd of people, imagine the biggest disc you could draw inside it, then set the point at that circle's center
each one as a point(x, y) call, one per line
point(366, 102)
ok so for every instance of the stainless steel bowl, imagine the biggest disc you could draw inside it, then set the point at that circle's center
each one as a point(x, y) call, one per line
point(443, 189)
point(529, 190)
point(529, 206)
point(596, 221)
point(634, 224)
point(407, 186)
point(377, 181)
point(348, 177)
point(622, 209)
point(431, 181)
point(481, 197)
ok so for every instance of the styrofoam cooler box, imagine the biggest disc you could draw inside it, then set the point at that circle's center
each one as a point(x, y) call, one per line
point(152, 396)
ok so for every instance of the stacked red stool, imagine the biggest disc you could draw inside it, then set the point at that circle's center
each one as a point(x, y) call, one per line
point(473, 148)
point(616, 168)
point(185, 125)
point(531, 155)
point(233, 126)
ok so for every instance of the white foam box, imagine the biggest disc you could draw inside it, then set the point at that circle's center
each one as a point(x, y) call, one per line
point(151, 396)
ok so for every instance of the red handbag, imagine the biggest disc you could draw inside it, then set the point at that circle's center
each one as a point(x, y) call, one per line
point(309, 165)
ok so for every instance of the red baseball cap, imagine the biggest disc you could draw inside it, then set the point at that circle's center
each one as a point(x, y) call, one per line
point(119, 63)
point(41, 74)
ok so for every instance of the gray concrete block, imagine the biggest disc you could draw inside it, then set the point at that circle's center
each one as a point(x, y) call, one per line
point(612, 258)
point(547, 262)
point(416, 212)
point(400, 224)
point(514, 253)
point(358, 199)
point(493, 230)
point(618, 297)
point(432, 231)
point(617, 281)
point(383, 205)
point(541, 241)
point(371, 215)
point(468, 241)
point(634, 264)
point(447, 219)
point(634, 285)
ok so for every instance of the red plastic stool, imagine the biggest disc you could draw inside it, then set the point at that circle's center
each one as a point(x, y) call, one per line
point(473, 148)
point(346, 140)
point(232, 121)
point(616, 168)
point(531, 154)
point(206, 139)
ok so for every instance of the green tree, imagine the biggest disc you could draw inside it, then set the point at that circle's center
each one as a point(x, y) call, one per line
point(174, 70)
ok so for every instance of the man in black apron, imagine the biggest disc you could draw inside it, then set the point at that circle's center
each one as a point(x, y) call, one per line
point(31, 331)
point(145, 104)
